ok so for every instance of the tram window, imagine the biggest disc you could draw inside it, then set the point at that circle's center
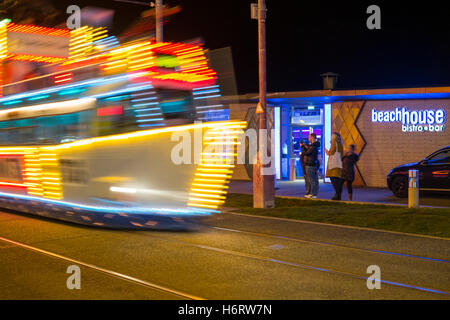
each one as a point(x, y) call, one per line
point(111, 119)
point(17, 135)
point(10, 169)
point(176, 104)
point(63, 128)
point(46, 130)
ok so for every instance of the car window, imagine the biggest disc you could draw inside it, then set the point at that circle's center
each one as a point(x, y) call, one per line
point(441, 157)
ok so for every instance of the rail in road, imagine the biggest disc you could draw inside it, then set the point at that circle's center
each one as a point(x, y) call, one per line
point(176, 293)
point(276, 254)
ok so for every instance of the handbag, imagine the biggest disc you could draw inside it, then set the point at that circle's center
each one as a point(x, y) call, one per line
point(335, 160)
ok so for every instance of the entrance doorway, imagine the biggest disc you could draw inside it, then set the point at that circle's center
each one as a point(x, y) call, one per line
point(301, 133)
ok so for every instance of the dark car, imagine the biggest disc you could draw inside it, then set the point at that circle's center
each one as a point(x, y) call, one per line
point(434, 174)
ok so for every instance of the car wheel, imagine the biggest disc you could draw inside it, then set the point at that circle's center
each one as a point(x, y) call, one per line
point(399, 186)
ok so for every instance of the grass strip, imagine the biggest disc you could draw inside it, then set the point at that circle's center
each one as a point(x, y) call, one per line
point(425, 221)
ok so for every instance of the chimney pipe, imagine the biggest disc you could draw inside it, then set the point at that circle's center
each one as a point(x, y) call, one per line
point(329, 80)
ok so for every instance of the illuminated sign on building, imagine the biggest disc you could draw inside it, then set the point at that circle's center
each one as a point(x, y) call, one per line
point(308, 117)
point(413, 121)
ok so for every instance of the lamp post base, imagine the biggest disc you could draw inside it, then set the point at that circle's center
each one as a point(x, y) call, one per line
point(263, 188)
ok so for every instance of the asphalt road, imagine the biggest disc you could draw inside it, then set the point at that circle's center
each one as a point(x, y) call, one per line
point(229, 257)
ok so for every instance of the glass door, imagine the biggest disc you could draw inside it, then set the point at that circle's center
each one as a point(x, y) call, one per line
point(301, 133)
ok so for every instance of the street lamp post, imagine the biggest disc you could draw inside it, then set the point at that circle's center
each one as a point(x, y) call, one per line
point(159, 20)
point(263, 183)
point(158, 15)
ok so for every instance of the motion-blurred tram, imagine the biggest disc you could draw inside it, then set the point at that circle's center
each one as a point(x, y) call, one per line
point(112, 135)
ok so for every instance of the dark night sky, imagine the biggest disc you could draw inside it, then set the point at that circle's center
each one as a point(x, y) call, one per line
point(307, 38)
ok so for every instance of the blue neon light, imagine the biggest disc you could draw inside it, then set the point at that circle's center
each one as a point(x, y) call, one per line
point(150, 120)
point(145, 104)
point(99, 81)
point(107, 43)
point(111, 209)
point(118, 98)
point(151, 125)
point(208, 87)
point(147, 109)
point(211, 106)
point(70, 91)
point(143, 94)
point(112, 93)
point(11, 102)
point(144, 99)
point(206, 91)
point(149, 114)
point(39, 97)
point(214, 110)
point(149, 104)
point(206, 97)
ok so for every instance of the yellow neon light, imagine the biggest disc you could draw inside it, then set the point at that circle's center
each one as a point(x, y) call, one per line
point(202, 205)
point(220, 165)
point(209, 191)
point(213, 175)
point(211, 180)
point(206, 195)
point(210, 185)
point(219, 154)
point(207, 200)
point(215, 170)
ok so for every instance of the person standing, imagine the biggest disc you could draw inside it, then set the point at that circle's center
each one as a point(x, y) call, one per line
point(348, 168)
point(334, 166)
point(311, 164)
point(302, 163)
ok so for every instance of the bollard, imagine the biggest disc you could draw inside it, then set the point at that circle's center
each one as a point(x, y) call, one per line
point(413, 189)
point(292, 171)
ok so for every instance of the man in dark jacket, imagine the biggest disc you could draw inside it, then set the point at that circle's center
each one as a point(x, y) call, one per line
point(302, 163)
point(349, 160)
point(311, 161)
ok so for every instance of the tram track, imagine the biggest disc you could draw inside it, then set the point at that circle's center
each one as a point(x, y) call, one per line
point(111, 273)
point(321, 243)
point(295, 264)
point(290, 263)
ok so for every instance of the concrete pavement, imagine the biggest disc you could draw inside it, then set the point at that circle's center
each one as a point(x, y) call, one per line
point(360, 194)
point(229, 257)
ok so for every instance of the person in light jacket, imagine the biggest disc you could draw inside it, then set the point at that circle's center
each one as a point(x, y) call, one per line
point(335, 173)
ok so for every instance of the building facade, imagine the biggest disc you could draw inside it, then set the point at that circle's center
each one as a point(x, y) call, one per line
point(389, 127)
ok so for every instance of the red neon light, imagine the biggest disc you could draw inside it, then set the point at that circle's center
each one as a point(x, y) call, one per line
point(12, 27)
point(109, 111)
point(13, 185)
point(441, 173)
point(65, 77)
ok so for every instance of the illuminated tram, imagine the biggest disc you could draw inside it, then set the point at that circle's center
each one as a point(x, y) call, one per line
point(95, 134)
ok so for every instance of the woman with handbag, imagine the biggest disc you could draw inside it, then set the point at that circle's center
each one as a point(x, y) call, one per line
point(334, 166)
